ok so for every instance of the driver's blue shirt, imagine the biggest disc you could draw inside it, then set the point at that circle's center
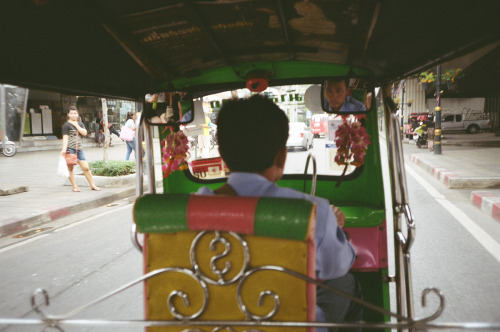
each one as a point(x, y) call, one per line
point(351, 105)
point(334, 254)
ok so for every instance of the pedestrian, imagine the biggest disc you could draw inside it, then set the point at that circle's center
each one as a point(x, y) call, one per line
point(99, 133)
point(71, 129)
point(112, 130)
point(204, 140)
point(256, 159)
point(130, 123)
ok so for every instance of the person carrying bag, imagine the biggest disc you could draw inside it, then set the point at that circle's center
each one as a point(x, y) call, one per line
point(72, 158)
point(128, 132)
point(70, 151)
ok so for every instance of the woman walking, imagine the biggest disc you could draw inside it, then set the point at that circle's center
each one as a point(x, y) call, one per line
point(130, 123)
point(71, 130)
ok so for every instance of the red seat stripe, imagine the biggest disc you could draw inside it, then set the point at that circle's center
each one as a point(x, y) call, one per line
point(235, 214)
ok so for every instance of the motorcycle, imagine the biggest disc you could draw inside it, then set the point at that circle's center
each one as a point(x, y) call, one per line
point(420, 135)
point(9, 149)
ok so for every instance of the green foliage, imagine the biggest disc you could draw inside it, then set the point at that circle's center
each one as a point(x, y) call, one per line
point(451, 75)
point(427, 77)
point(112, 168)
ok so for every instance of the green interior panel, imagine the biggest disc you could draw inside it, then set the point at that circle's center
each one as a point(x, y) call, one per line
point(375, 291)
point(280, 71)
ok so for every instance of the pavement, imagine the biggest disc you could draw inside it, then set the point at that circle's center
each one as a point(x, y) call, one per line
point(32, 194)
point(475, 167)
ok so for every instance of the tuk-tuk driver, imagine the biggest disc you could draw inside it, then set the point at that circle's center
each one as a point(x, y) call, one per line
point(252, 135)
point(338, 96)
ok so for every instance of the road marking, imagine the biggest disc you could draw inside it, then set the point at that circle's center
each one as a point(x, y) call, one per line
point(477, 232)
point(15, 245)
point(63, 228)
point(41, 236)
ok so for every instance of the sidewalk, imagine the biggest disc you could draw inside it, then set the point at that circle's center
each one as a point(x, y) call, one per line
point(475, 167)
point(43, 196)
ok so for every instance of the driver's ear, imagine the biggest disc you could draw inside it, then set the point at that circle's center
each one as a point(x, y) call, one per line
point(280, 158)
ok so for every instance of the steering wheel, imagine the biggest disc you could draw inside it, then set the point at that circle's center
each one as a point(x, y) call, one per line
point(314, 175)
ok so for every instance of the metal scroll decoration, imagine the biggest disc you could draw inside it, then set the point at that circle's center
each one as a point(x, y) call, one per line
point(41, 298)
point(219, 239)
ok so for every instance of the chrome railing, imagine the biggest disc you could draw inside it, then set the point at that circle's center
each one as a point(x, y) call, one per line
point(40, 299)
point(401, 208)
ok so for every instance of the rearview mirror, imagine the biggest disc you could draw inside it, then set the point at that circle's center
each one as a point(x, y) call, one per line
point(165, 108)
point(341, 96)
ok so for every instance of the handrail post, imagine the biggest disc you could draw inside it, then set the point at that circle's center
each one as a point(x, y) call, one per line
point(139, 167)
point(144, 129)
point(404, 290)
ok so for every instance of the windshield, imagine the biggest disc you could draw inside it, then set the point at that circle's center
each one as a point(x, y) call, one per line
point(311, 132)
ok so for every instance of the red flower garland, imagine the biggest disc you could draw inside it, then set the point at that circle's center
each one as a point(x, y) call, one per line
point(175, 152)
point(351, 140)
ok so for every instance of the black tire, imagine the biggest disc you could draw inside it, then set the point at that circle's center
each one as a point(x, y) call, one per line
point(419, 144)
point(473, 129)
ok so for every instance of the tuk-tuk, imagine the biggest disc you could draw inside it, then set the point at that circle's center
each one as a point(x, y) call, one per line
point(182, 60)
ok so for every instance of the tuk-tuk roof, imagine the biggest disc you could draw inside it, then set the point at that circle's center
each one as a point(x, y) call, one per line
point(126, 47)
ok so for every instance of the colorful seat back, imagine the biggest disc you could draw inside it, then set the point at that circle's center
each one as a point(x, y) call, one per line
point(227, 258)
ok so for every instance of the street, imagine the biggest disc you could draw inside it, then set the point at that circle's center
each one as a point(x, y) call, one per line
point(456, 248)
point(86, 255)
point(446, 255)
point(98, 258)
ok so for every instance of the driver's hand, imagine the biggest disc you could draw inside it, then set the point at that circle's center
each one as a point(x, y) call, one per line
point(339, 215)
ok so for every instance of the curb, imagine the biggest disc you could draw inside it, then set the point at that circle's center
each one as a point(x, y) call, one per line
point(451, 142)
point(105, 181)
point(452, 180)
point(52, 213)
point(446, 177)
point(488, 202)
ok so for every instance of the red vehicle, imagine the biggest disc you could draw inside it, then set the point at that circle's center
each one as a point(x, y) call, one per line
point(414, 121)
point(209, 167)
point(319, 125)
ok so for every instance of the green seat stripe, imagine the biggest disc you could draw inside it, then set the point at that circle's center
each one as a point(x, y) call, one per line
point(282, 218)
point(161, 213)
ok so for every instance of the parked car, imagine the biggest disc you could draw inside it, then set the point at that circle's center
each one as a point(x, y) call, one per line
point(469, 120)
point(299, 136)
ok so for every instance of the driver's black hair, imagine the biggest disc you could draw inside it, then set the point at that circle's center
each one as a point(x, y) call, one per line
point(340, 79)
point(250, 133)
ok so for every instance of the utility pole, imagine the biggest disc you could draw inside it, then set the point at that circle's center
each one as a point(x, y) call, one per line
point(437, 129)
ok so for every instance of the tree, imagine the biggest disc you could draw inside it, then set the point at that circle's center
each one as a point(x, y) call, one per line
point(104, 120)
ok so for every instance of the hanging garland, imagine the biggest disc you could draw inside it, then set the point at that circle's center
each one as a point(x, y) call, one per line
point(174, 150)
point(352, 141)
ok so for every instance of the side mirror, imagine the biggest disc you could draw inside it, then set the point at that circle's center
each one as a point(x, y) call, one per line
point(339, 98)
point(163, 108)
